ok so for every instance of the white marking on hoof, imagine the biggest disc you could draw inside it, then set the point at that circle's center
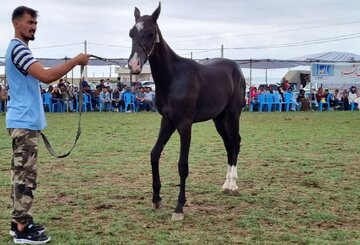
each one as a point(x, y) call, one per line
point(177, 217)
point(231, 177)
point(226, 185)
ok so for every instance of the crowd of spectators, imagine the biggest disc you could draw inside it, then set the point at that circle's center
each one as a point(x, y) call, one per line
point(346, 99)
point(106, 96)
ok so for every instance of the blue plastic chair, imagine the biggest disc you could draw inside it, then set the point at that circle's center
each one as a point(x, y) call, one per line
point(263, 100)
point(86, 103)
point(327, 103)
point(277, 101)
point(251, 105)
point(353, 106)
point(288, 97)
point(270, 101)
point(46, 97)
point(129, 100)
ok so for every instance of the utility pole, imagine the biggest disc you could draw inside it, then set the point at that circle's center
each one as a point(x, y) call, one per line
point(85, 68)
point(222, 51)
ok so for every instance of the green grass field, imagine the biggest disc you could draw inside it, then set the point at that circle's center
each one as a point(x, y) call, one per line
point(299, 181)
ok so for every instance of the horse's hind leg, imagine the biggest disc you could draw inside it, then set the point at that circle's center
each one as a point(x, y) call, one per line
point(227, 125)
point(221, 128)
point(184, 129)
point(232, 124)
point(166, 130)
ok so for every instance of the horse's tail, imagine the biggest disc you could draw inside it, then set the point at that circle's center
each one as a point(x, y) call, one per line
point(240, 84)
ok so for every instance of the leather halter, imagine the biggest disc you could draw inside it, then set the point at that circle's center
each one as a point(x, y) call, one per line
point(157, 40)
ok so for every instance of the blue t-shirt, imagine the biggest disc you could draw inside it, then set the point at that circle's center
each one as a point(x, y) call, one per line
point(25, 107)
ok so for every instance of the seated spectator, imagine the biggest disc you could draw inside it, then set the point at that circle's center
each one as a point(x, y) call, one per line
point(320, 95)
point(293, 101)
point(150, 98)
point(140, 99)
point(312, 99)
point(105, 99)
point(336, 101)
point(68, 98)
point(57, 99)
point(95, 98)
point(345, 100)
point(352, 95)
point(303, 101)
point(116, 99)
point(253, 98)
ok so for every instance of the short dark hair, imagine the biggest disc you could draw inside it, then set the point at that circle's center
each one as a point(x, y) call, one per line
point(21, 10)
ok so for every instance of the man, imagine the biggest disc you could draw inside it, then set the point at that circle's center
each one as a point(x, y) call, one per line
point(25, 118)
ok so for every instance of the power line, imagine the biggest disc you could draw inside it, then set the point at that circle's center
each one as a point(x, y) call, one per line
point(109, 45)
point(267, 32)
point(58, 46)
point(303, 43)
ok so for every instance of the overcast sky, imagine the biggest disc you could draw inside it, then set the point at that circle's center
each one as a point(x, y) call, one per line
point(246, 28)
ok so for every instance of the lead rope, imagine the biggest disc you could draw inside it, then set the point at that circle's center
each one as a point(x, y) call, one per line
point(78, 133)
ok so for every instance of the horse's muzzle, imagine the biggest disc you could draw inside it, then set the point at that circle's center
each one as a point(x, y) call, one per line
point(134, 64)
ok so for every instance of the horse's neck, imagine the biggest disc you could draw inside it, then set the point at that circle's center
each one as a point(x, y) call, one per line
point(163, 63)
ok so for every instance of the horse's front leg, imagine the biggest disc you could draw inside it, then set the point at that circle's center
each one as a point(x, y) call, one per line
point(166, 130)
point(183, 168)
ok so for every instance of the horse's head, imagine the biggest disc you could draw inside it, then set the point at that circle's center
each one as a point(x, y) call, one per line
point(145, 36)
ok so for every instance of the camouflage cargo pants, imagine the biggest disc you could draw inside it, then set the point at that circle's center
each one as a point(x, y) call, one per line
point(23, 172)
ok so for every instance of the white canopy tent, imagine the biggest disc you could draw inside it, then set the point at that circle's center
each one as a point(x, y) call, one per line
point(306, 60)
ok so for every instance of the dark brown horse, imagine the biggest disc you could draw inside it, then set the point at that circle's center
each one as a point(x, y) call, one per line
point(188, 92)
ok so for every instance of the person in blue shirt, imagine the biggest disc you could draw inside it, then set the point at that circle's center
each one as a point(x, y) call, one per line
point(25, 119)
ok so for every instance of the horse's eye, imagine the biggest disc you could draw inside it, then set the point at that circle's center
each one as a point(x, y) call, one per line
point(131, 33)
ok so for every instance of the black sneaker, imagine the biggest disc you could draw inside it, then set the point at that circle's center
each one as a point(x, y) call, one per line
point(40, 229)
point(30, 236)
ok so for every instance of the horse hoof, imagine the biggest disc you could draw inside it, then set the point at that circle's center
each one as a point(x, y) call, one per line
point(177, 216)
point(226, 190)
point(157, 205)
point(234, 192)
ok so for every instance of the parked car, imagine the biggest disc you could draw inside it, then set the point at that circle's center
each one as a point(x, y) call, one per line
point(271, 86)
point(150, 84)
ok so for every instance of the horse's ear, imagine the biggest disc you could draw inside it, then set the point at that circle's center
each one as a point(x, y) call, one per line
point(136, 14)
point(156, 13)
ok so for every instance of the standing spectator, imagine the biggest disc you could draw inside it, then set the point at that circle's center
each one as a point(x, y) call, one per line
point(108, 83)
point(3, 98)
point(119, 84)
point(25, 119)
point(61, 83)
